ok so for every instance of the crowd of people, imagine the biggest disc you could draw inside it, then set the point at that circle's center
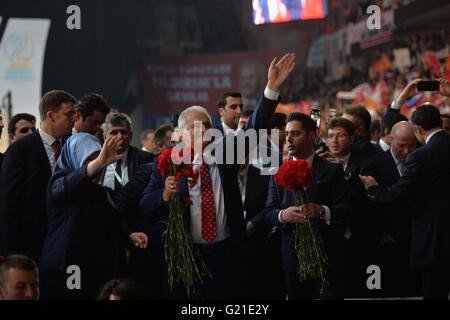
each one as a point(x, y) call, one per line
point(75, 192)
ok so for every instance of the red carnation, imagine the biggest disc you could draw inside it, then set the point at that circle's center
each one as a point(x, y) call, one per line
point(294, 174)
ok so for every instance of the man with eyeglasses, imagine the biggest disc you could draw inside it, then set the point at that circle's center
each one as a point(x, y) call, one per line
point(363, 231)
point(21, 125)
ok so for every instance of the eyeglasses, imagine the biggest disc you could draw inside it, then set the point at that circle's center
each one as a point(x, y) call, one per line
point(337, 135)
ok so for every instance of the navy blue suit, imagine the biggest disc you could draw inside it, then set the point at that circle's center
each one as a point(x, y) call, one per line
point(330, 189)
point(222, 258)
point(426, 183)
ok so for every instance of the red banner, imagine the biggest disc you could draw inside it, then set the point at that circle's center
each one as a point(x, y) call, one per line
point(169, 84)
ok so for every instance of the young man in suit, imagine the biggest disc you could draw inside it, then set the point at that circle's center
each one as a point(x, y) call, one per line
point(222, 240)
point(426, 182)
point(26, 170)
point(329, 202)
point(21, 125)
point(230, 108)
point(361, 119)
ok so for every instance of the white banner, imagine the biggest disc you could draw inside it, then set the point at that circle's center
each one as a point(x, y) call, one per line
point(22, 51)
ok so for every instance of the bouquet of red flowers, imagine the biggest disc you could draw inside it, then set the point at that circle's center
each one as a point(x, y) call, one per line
point(296, 175)
point(184, 262)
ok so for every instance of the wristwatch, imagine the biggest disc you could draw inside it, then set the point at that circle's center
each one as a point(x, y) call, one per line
point(322, 212)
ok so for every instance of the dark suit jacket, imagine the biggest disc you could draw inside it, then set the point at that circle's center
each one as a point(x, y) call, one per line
point(135, 158)
point(365, 148)
point(328, 188)
point(426, 183)
point(152, 202)
point(395, 216)
point(24, 177)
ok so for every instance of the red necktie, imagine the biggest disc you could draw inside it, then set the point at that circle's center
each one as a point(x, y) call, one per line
point(57, 149)
point(209, 228)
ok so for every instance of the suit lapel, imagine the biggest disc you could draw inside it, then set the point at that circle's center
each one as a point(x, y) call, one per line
point(42, 153)
point(130, 162)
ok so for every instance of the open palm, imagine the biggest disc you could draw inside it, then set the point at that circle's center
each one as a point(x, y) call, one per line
point(279, 71)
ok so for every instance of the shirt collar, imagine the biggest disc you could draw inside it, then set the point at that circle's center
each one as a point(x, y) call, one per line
point(383, 145)
point(432, 134)
point(345, 159)
point(227, 129)
point(310, 159)
point(393, 156)
point(46, 137)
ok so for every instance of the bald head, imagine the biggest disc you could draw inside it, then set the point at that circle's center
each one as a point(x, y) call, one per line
point(403, 140)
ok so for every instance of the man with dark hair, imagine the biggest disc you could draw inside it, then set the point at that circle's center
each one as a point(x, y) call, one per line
point(163, 137)
point(329, 206)
point(245, 116)
point(426, 182)
point(19, 278)
point(388, 121)
point(119, 173)
point(361, 120)
point(148, 142)
point(26, 170)
point(230, 108)
point(446, 122)
point(21, 125)
point(90, 113)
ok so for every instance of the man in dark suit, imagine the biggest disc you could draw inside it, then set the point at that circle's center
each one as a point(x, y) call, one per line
point(119, 173)
point(329, 203)
point(389, 120)
point(426, 183)
point(26, 170)
point(387, 168)
point(230, 108)
point(361, 120)
point(221, 241)
point(362, 235)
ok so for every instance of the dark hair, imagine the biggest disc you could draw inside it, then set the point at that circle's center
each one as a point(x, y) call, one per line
point(247, 113)
point(427, 116)
point(52, 100)
point(145, 133)
point(344, 123)
point(125, 289)
point(161, 132)
point(15, 261)
point(375, 126)
point(361, 113)
point(277, 120)
point(116, 119)
point(389, 120)
point(16, 118)
point(308, 124)
point(223, 98)
point(90, 103)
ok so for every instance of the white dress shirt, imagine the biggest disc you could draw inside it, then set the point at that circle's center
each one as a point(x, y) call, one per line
point(196, 207)
point(48, 141)
point(383, 145)
point(110, 173)
point(399, 164)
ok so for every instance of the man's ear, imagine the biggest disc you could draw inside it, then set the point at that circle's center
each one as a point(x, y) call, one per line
point(77, 116)
point(51, 115)
point(11, 137)
point(221, 111)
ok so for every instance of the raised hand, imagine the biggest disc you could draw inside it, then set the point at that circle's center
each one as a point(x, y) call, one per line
point(279, 71)
point(409, 91)
point(109, 153)
point(444, 87)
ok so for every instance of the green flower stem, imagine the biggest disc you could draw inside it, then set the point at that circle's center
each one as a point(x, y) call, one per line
point(311, 255)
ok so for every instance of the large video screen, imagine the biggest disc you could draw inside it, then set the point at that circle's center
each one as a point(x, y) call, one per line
point(275, 11)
